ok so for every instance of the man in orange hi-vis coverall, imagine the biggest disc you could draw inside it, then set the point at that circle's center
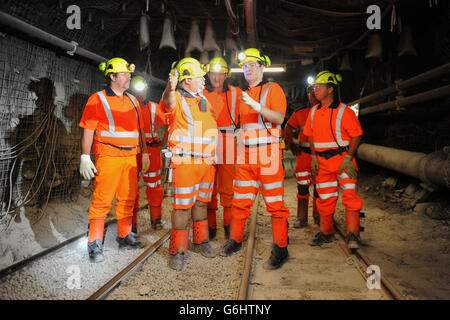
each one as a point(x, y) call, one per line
point(153, 117)
point(303, 161)
point(334, 134)
point(224, 98)
point(192, 141)
point(113, 123)
point(260, 158)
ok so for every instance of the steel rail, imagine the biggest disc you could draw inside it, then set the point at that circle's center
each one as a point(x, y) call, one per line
point(105, 290)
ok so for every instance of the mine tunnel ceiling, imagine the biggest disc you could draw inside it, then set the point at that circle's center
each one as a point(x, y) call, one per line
point(289, 30)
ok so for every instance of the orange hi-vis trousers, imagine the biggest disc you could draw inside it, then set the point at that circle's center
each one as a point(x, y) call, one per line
point(116, 176)
point(223, 181)
point(251, 177)
point(328, 181)
point(303, 172)
point(191, 182)
point(152, 181)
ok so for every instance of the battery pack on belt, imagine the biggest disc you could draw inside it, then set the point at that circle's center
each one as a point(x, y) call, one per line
point(118, 147)
point(151, 144)
point(332, 152)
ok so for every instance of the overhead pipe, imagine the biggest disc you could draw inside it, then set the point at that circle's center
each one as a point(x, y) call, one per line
point(433, 169)
point(400, 102)
point(404, 84)
point(250, 18)
point(70, 47)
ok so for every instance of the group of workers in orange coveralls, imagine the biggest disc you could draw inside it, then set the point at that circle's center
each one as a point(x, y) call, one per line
point(220, 140)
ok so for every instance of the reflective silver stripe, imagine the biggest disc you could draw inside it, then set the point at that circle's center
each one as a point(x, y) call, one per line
point(242, 183)
point(233, 102)
point(259, 126)
point(273, 185)
point(205, 195)
point(184, 201)
point(152, 117)
point(154, 184)
point(188, 113)
point(343, 175)
point(303, 174)
point(186, 190)
point(328, 195)
point(151, 174)
point(112, 126)
point(304, 182)
point(326, 185)
point(273, 199)
point(340, 142)
point(114, 134)
point(206, 185)
point(305, 144)
point(348, 186)
point(195, 140)
point(250, 196)
point(259, 140)
point(108, 111)
point(149, 135)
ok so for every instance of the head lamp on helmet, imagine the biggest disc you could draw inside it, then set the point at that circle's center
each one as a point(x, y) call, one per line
point(253, 54)
point(116, 65)
point(219, 65)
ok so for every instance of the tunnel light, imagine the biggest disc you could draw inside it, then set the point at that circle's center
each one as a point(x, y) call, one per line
point(139, 86)
point(266, 69)
point(310, 80)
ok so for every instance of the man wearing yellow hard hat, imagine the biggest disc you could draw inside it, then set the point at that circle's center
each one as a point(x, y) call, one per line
point(334, 134)
point(113, 125)
point(260, 163)
point(225, 101)
point(153, 118)
point(192, 141)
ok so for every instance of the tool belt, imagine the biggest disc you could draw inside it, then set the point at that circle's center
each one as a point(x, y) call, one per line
point(332, 152)
point(118, 147)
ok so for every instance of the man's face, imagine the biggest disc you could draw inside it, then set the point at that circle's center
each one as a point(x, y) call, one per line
point(217, 79)
point(194, 84)
point(122, 80)
point(253, 71)
point(312, 98)
point(322, 91)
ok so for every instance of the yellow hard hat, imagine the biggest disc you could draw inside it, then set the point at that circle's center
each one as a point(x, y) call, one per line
point(116, 65)
point(219, 65)
point(327, 77)
point(138, 84)
point(253, 54)
point(189, 68)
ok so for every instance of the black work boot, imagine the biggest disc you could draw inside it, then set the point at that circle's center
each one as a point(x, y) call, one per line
point(320, 239)
point(157, 224)
point(277, 258)
point(176, 261)
point(230, 247)
point(353, 241)
point(212, 233)
point(205, 249)
point(129, 242)
point(95, 250)
point(227, 232)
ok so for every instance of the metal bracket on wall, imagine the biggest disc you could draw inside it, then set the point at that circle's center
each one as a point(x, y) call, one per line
point(75, 46)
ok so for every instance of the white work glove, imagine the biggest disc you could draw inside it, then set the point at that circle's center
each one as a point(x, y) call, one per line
point(87, 168)
point(252, 103)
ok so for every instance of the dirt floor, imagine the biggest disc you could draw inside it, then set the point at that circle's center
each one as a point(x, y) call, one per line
point(408, 246)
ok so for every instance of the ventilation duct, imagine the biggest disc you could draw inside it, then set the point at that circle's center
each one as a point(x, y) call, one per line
point(209, 42)
point(195, 41)
point(167, 39)
point(375, 47)
point(144, 36)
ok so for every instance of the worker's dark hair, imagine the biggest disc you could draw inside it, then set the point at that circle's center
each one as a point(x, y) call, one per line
point(335, 91)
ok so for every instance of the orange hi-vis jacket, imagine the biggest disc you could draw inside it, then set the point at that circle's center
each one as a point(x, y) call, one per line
point(257, 131)
point(303, 160)
point(192, 131)
point(344, 126)
point(116, 121)
point(153, 117)
point(297, 121)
